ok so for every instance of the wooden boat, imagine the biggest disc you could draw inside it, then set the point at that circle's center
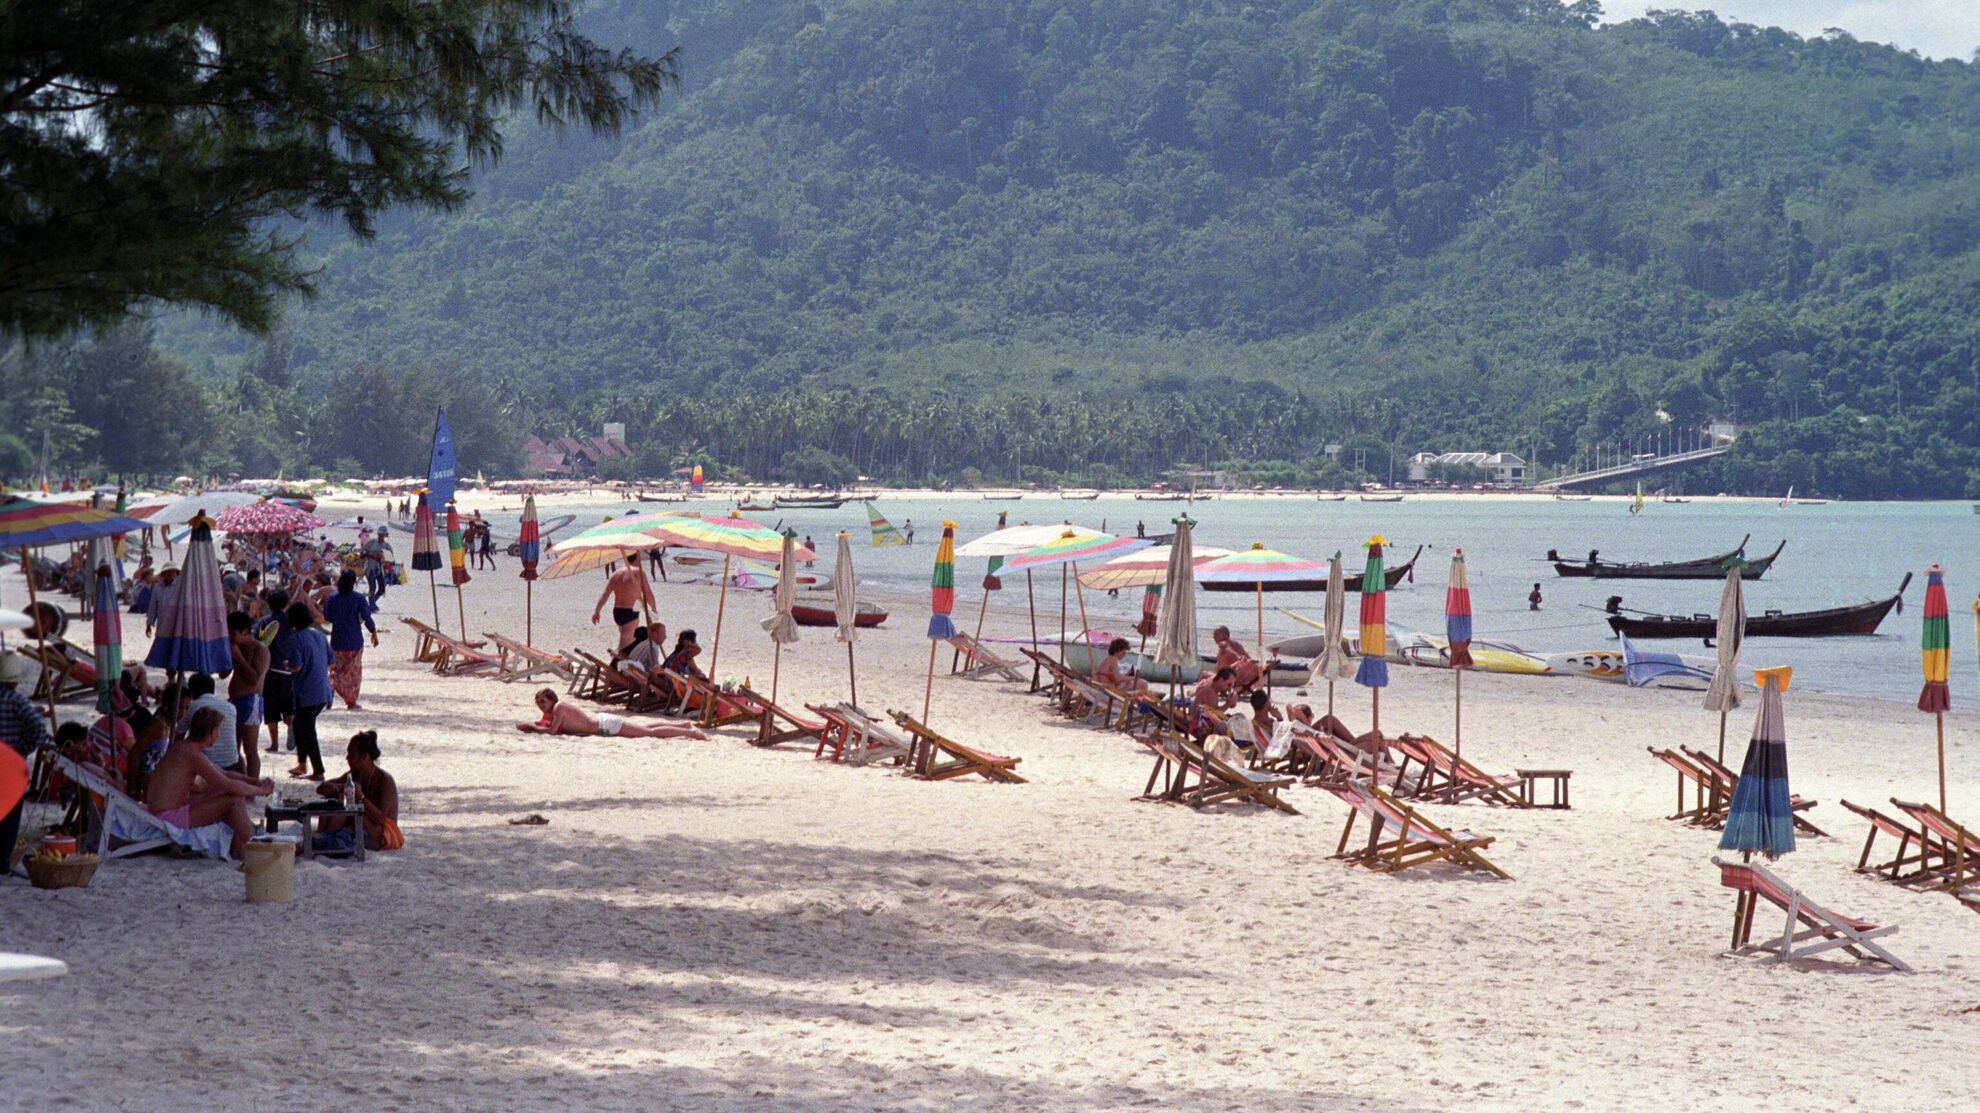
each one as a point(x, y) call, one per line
point(821, 502)
point(1703, 568)
point(1079, 496)
point(1381, 498)
point(823, 612)
point(1166, 497)
point(1674, 500)
point(755, 507)
point(1390, 578)
point(1573, 498)
point(1002, 498)
point(1343, 498)
point(1859, 618)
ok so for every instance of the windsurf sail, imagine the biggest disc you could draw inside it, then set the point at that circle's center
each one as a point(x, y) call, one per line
point(440, 470)
point(694, 480)
point(884, 533)
point(1643, 667)
point(1636, 507)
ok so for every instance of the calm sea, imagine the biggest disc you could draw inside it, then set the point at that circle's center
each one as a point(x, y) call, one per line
point(1838, 553)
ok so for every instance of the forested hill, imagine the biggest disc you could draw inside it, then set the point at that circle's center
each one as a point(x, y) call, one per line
point(1070, 234)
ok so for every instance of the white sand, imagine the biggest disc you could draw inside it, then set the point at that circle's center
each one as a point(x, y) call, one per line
point(705, 925)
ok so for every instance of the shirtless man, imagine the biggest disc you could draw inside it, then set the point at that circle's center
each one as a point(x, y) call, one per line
point(244, 687)
point(627, 589)
point(187, 790)
point(1231, 654)
point(569, 718)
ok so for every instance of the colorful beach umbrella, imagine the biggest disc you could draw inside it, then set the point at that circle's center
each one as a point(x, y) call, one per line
point(1457, 635)
point(1373, 671)
point(1143, 568)
point(1261, 568)
point(266, 517)
point(941, 601)
point(845, 608)
point(26, 524)
point(456, 546)
point(1760, 818)
point(1723, 693)
point(694, 480)
point(192, 629)
point(1175, 646)
point(426, 548)
point(1072, 546)
point(732, 537)
point(1935, 645)
point(109, 632)
point(530, 548)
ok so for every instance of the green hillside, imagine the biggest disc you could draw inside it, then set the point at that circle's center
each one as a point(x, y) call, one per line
point(1098, 238)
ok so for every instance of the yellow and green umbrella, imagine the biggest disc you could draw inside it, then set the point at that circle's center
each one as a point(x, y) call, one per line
point(1373, 671)
point(1935, 644)
point(941, 602)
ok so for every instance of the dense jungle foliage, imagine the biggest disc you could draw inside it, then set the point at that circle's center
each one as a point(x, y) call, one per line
point(1092, 240)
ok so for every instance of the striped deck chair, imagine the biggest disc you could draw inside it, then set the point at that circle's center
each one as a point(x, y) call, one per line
point(1725, 780)
point(130, 825)
point(1465, 781)
point(1916, 856)
point(1709, 809)
point(459, 658)
point(1820, 929)
point(1217, 780)
point(768, 717)
point(977, 661)
point(711, 706)
point(1415, 840)
point(522, 662)
point(69, 676)
point(939, 758)
point(857, 738)
point(425, 648)
point(1957, 849)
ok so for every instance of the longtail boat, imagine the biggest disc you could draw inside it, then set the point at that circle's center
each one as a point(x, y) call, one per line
point(806, 502)
point(1859, 618)
point(824, 612)
point(1703, 568)
point(1390, 578)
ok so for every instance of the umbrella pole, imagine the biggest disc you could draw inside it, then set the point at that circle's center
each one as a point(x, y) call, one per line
point(1941, 718)
point(460, 608)
point(852, 674)
point(529, 612)
point(1062, 614)
point(1375, 711)
point(41, 635)
point(433, 588)
point(928, 690)
point(1031, 602)
point(1261, 616)
point(776, 668)
point(1085, 627)
point(721, 603)
point(1330, 697)
point(1722, 738)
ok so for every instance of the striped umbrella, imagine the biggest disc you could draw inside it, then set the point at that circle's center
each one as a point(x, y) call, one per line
point(1144, 568)
point(941, 601)
point(530, 548)
point(1258, 566)
point(192, 630)
point(1373, 672)
point(109, 630)
point(732, 537)
point(457, 559)
point(1071, 547)
point(426, 549)
point(1723, 694)
point(1760, 817)
point(1457, 633)
point(1935, 644)
point(26, 524)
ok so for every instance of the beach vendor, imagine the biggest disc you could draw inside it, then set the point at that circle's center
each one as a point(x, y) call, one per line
point(187, 790)
point(374, 553)
point(568, 718)
point(347, 612)
point(162, 592)
point(627, 588)
point(377, 793)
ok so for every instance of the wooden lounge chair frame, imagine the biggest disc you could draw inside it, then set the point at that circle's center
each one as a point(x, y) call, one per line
point(427, 640)
point(1821, 929)
point(522, 662)
point(930, 748)
point(588, 679)
point(716, 710)
point(768, 715)
point(857, 738)
point(110, 803)
point(58, 668)
point(1217, 781)
point(458, 658)
point(1957, 849)
point(1452, 779)
point(979, 662)
point(1702, 784)
point(1727, 780)
point(1416, 840)
point(1916, 857)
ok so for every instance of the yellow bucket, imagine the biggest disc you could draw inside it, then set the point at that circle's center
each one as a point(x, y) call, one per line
point(270, 866)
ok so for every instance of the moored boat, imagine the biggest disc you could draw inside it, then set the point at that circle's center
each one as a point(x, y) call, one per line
point(1858, 618)
point(1702, 568)
point(1381, 498)
point(821, 502)
point(822, 611)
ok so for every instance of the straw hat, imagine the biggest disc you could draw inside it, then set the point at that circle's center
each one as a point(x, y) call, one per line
point(168, 566)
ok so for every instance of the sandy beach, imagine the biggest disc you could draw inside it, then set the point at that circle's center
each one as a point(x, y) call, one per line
point(708, 926)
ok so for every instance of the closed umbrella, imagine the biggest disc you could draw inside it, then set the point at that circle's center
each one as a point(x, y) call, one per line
point(941, 601)
point(1333, 664)
point(1723, 694)
point(192, 630)
point(530, 548)
point(109, 630)
point(1175, 645)
point(1373, 672)
point(1760, 818)
point(457, 560)
point(426, 549)
point(845, 608)
point(1935, 645)
point(781, 626)
point(1457, 633)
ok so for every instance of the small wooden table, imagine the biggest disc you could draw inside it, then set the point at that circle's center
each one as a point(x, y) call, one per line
point(308, 817)
point(1559, 777)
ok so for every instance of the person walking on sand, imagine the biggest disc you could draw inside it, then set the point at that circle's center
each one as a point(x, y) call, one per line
point(244, 687)
point(347, 611)
point(1533, 598)
point(568, 718)
point(628, 589)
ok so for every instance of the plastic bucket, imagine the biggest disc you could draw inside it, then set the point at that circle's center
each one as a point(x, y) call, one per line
point(269, 864)
point(64, 845)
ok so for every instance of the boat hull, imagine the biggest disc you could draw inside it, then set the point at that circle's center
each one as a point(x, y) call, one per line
point(1706, 568)
point(1390, 578)
point(1863, 618)
point(811, 614)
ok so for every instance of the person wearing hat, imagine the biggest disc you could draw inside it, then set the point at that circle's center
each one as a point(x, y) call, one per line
point(162, 594)
point(23, 729)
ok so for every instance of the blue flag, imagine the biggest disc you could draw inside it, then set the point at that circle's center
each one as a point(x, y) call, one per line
point(440, 473)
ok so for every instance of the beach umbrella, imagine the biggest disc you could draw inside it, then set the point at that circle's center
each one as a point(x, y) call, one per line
point(1457, 634)
point(457, 559)
point(530, 547)
point(1151, 609)
point(1723, 694)
point(1332, 664)
point(1259, 567)
point(732, 537)
point(192, 630)
point(1068, 550)
point(941, 601)
point(426, 549)
point(109, 630)
point(1007, 542)
point(845, 607)
point(1144, 568)
point(1936, 651)
point(1176, 645)
point(694, 480)
point(781, 626)
point(184, 508)
point(991, 582)
point(1760, 817)
point(1373, 672)
point(268, 516)
point(26, 524)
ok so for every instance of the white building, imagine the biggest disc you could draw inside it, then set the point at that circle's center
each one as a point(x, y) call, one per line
point(1503, 468)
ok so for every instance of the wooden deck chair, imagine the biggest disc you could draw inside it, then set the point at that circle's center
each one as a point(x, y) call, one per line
point(1415, 840)
point(425, 647)
point(1044, 667)
point(1465, 781)
point(1916, 855)
point(1726, 780)
point(939, 758)
point(775, 725)
point(710, 706)
point(978, 661)
point(1172, 769)
point(522, 662)
point(68, 676)
point(1956, 847)
point(588, 679)
point(1220, 780)
point(458, 658)
point(837, 735)
point(860, 739)
point(1821, 929)
point(130, 825)
point(1689, 775)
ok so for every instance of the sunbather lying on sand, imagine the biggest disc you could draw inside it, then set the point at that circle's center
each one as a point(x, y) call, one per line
point(568, 718)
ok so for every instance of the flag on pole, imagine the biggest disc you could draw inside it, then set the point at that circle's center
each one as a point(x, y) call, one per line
point(440, 470)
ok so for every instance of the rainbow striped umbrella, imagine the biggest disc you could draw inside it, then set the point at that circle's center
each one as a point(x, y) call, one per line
point(26, 524)
point(529, 547)
point(192, 631)
point(1935, 644)
point(1760, 816)
point(109, 630)
point(1144, 568)
point(1457, 613)
point(941, 601)
point(456, 545)
point(426, 550)
point(732, 537)
point(1373, 672)
point(1072, 546)
point(1258, 566)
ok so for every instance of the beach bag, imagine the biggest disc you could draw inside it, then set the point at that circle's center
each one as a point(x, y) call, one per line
point(402, 574)
point(391, 838)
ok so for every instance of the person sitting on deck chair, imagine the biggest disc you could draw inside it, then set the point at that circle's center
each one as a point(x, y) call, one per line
point(1112, 670)
point(640, 663)
point(188, 791)
point(1248, 675)
point(568, 718)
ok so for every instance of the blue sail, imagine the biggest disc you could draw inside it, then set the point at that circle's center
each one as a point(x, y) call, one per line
point(440, 473)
